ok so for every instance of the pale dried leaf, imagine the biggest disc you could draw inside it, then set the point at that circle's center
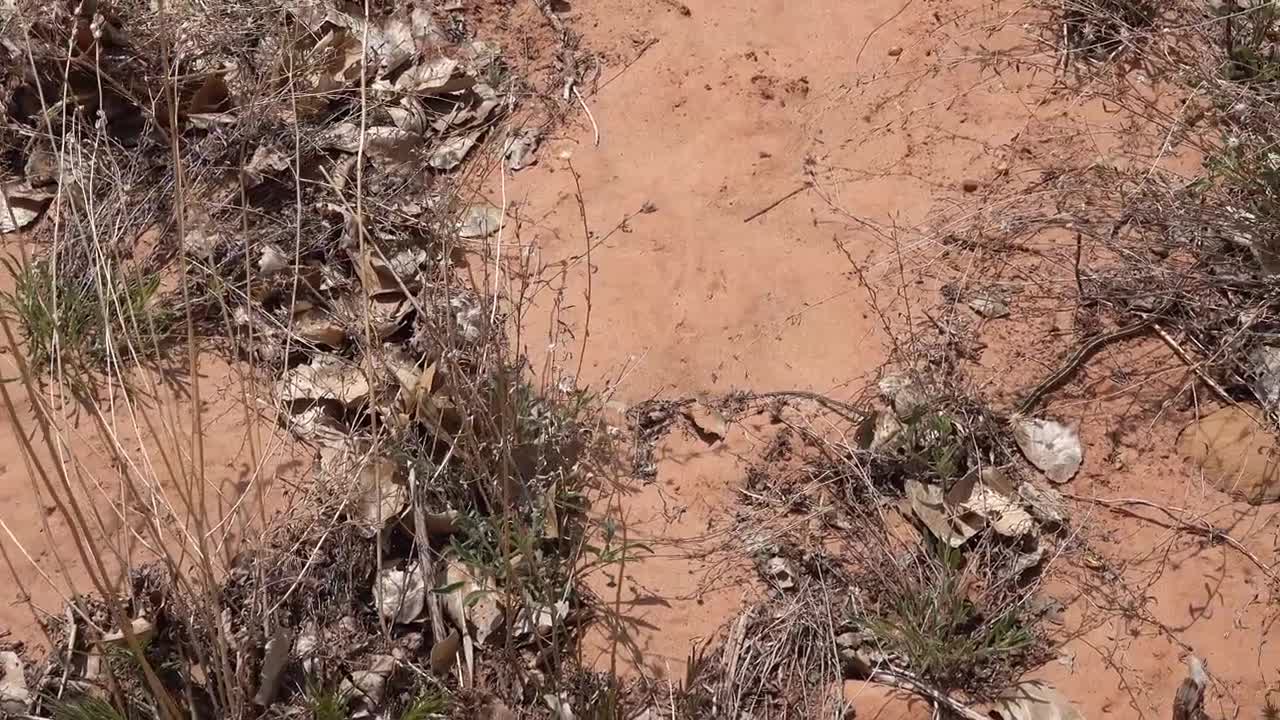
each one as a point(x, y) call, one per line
point(928, 504)
point(20, 206)
point(401, 594)
point(450, 153)
point(479, 221)
point(1052, 447)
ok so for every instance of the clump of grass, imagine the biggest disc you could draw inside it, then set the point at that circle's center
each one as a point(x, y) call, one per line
point(82, 322)
point(934, 615)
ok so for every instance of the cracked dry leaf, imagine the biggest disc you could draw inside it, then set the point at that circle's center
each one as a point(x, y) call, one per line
point(326, 377)
point(479, 221)
point(382, 498)
point(1052, 447)
point(450, 153)
point(401, 595)
point(928, 504)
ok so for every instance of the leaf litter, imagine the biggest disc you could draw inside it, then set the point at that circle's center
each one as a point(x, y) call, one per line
point(380, 358)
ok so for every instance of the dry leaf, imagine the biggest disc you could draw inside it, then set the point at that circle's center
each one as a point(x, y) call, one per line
point(450, 153)
point(928, 504)
point(276, 657)
point(326, 377)
point(1052, 447)
point(444, 652)
point(20, 206)
point(401, 594)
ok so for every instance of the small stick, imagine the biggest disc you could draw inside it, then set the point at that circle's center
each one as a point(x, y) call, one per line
point(1195, 367)
point(779, 201)
point(594, 127)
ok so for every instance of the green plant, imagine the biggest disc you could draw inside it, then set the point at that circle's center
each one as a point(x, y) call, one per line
point(930, 620)
point(933, 444)
point(429, 704)
point(76, 321)
point(325, 701)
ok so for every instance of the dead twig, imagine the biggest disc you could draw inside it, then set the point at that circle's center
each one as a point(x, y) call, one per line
point(805, 186)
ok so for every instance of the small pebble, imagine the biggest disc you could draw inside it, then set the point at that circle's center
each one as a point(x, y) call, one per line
point(969, 185)
point(895, 51)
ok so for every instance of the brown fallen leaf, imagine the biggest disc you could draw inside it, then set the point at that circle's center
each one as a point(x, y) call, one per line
point(444, 652)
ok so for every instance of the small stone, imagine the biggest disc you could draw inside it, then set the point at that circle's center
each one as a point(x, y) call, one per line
point(895, 51)
point(969, 185)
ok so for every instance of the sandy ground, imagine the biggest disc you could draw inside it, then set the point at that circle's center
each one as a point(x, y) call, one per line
point(872, 120)
point(897, 115)
point(249, 471)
